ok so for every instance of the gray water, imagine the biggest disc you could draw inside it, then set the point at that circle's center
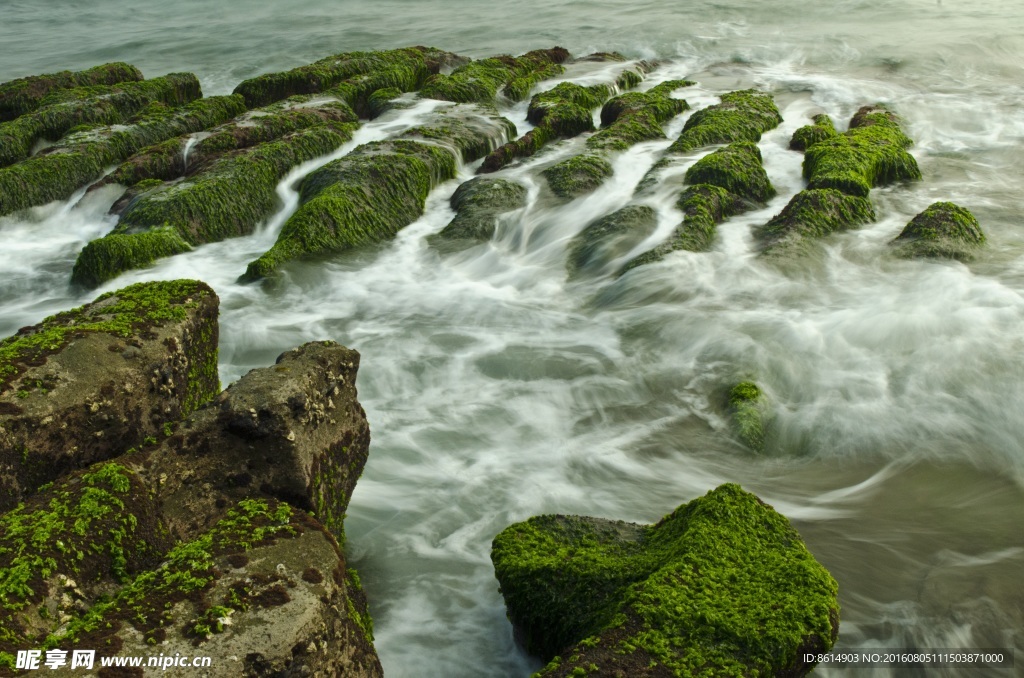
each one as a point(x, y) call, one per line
point(497, 390)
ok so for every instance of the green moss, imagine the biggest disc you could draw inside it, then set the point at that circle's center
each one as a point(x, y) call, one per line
point(23, 95)
point(808, 135)
point(104, 259)
point(873, 153)
point(130, 311)
point(742, 116)
point(480, 81)
point(92, 526)
point(380, 101)
point(357, 74)
point(365, 197)
point(737, 168)
point(478, 203)
point(633, 117)
point(361, 618)
point(723, 586)
point(469, 131)
point(578, 175)
point(749, 407)
point(83, 157)
point(609, 237)
point(813, 214)
point(944, 230)
point(63, 110)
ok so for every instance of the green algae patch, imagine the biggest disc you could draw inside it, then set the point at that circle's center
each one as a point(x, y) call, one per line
point(478, 203)
point(359, 74)
point(125, 313)
point(481, 81)
point(363, 198)
point(808, 135)
point(469, 131)
point(82, 536)
point(749, 407)
point(578, 175)
point(227, 199)
point(871, 153)
point(21, 96)
point(62, 110)
point(737, 168)
point(609, 237)
point(633, 117)
point(83, 156)
point(559, 113)
point(723, 586)
point(944, 230)
point(813, 214)
point(742, 116)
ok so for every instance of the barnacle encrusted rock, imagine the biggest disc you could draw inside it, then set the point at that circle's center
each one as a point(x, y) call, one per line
point(87, 384)
point(944, 230)
point(723, 586)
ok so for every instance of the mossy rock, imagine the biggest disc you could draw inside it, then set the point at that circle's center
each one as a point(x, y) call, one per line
point(704, 207)
point(737, 168)
point(742, 116)
point(813, 214)
point(808, 135)
point(82, 538)
point(481, 81)
point(478, 203)
point(229, 198)
point(469, 131)
point(357, 74)
point(23, 95)
point(944, 230)
point(558, 113)
point(65, 109)
point(87, 384)
point(363, 198)
point(633, 117)
point(578, 175)
point(871, 153)
point(723, 586)
point(749, 407)
point(610, 237)
point(83, 157)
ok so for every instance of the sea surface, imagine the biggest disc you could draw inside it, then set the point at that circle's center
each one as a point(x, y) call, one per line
point(497, 390)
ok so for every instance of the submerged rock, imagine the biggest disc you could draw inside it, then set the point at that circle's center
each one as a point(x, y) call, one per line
point(86, 385)
point(722, 586)
point(577, 176)
point(944, 230)
point(812, 214)
point(610, 237)
point(24, 95)
point(749, 408)
point(481, 81)
point(742, 116)
point(469, 130)
point(478, 203)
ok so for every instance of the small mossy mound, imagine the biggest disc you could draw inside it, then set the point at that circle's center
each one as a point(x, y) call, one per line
point(365, 197)
point(610, 237)
point(813, 214)
point(559, 113)
point(808, 135)
point(82, 157)
point(871, 153)
point(633, 117)
point(481, 81)
point(742, 116)
point(21, 96)
point(381, 101)
point(470, 131)
point(478, 203)
point(944, 230)
point(703, 206)
point(63, 110)
point(228, 199)
point(723, 586)
point(749, 408)
point(737, 168)
point(578, 175)
point(85, 535)
point(357, 74)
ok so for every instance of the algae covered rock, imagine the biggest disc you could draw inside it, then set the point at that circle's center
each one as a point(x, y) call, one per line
point(944, 230)
point(633, 117)
point(481, 81)
point(723, 586)
point(748, 406)
point(470, 131)
point(808, 135)
point(610, 237)
point(478, 203)
point(578, 175)
point(742, 116)
point(812, 214)
point(737, 168)
point(23, 95)
point(87, 384)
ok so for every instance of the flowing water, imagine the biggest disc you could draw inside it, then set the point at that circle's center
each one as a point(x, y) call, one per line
point(497, 390)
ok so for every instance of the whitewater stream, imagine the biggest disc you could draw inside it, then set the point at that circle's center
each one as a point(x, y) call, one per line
point(496, 389)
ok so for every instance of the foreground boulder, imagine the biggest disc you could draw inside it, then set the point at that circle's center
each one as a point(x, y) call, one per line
point(723, 586)
point(86, 385)
point(944, 230)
